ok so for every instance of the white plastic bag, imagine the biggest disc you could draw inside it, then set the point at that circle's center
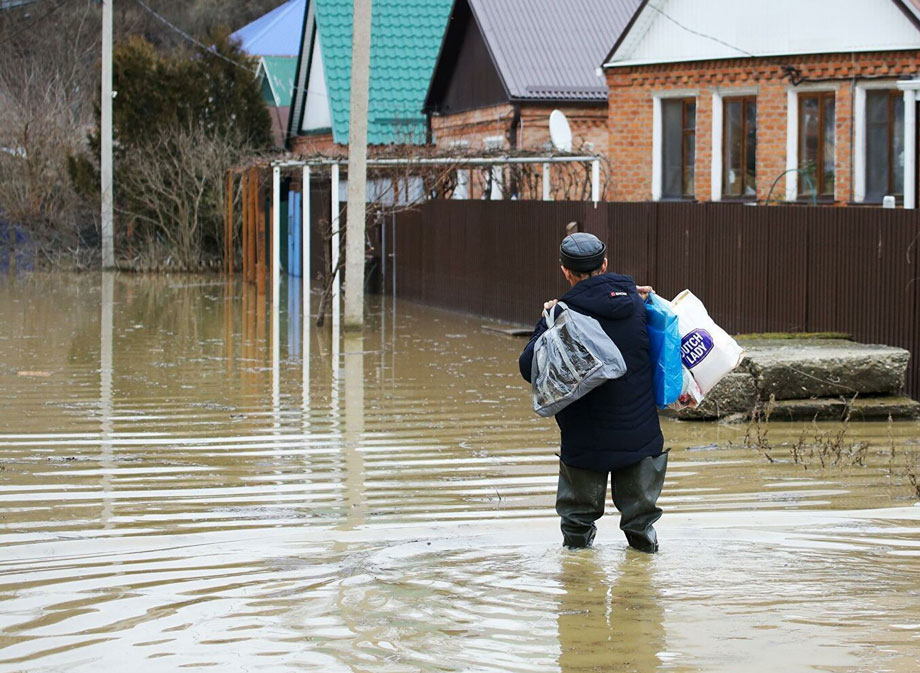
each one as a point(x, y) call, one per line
point(691, 394)
point(707, 351)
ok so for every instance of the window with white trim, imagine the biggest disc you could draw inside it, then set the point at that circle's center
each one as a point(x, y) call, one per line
point(884, 144)
point(678, 148)
point(816, 143)
point(739, 147)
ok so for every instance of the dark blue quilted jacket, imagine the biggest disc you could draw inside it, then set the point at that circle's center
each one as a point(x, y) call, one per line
point(616, 424)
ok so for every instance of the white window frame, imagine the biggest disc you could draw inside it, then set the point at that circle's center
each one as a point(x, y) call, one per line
point(859, 132)
point(792, 135)
point(462, 190)
point(911, 89)
point(497, 171)
point(717, 133)
point(658, 135)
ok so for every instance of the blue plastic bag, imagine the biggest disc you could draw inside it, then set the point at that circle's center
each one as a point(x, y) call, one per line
point(664, 344)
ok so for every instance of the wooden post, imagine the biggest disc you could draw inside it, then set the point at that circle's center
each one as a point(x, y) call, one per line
point(276, 234)
point(248, 330)
point(228, 324)
point(228, 226)
point(244, 212)
point(260, 320)
point(253, 226)
point(260, 236)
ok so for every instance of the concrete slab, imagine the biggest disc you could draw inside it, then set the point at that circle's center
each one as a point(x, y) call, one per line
point(790, 369)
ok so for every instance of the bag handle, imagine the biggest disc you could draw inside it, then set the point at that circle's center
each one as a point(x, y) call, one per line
point(548, 314)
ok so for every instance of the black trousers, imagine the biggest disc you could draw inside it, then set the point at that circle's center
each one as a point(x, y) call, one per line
point(581, 494)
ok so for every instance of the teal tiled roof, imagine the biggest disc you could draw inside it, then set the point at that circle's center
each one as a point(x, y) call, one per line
point(405, 38)
point(279, 71)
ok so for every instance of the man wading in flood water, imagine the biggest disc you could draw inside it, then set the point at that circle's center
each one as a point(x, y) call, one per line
point(614, 428)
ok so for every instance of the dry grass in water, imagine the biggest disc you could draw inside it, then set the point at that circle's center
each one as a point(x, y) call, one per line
point(827, 448)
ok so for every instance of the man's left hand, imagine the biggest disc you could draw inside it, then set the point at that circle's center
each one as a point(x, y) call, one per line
point(644, 291)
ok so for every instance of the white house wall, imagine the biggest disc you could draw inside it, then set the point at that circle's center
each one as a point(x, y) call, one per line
point(316, 114)
point(669, 31)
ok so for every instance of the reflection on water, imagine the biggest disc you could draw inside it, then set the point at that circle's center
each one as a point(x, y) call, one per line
point(610, 614)
point(190, 479)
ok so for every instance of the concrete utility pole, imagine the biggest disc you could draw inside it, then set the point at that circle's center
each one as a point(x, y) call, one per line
point(357, 165)
point(105, 161)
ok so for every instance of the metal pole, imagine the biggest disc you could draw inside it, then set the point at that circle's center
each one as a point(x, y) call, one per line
point(595, 181)
point(546, 182)
point(357, 164)
point(276, 296)
point(383, 252)
point(276, 234)
point(393, 254)
point(105, 160)
point(276, 360)
point(305, 243)
point(337, 280)
point(910, 139)
point(437, 161)
point(305, 280)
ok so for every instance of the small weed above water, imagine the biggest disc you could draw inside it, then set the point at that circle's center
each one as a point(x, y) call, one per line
point(756, 435)
point(826, 448)
point(829, 447)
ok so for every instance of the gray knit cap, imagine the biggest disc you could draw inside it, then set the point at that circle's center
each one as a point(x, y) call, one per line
point(582, 252)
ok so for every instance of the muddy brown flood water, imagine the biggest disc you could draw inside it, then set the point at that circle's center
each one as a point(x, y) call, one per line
point(169, 501)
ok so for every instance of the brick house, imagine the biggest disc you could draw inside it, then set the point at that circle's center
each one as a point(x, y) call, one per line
point(505, 65)
point(731, 100)
point(405, 36)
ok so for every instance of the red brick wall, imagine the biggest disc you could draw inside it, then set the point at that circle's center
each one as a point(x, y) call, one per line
point(473, 126)
point(588, 124)
point(630, 113)
point(317, 144)
point(589, 131)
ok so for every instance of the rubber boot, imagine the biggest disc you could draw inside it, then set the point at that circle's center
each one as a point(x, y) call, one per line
point(635, 493)
point(580, 500)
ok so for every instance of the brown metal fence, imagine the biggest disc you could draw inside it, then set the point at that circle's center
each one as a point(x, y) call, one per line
point(777, 269)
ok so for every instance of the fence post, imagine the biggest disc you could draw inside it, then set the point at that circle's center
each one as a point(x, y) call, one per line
point(276, 234)
point(910, 151)
point(337, 279)
point(546, 184)
point(305, 229)
point(595, 181)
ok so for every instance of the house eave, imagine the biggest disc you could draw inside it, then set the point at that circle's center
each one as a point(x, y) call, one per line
point(559, 101)
point(779, 54)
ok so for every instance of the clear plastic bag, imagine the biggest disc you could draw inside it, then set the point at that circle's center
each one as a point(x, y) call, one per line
point(571, 358)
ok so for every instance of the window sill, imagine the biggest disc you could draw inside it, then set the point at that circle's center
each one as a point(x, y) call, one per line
point(898, 202)
point(808, 201)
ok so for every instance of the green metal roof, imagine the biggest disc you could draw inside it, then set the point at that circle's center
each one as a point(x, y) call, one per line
point(279, 75)
point(405, 39)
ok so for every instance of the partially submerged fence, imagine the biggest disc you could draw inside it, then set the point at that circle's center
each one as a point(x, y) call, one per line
point(757, 269)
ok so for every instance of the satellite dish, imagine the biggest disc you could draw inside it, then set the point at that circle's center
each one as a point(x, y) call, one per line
point(560, 132)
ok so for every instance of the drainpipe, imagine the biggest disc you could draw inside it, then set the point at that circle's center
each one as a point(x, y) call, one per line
point(515, 131)
point(515, 128)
